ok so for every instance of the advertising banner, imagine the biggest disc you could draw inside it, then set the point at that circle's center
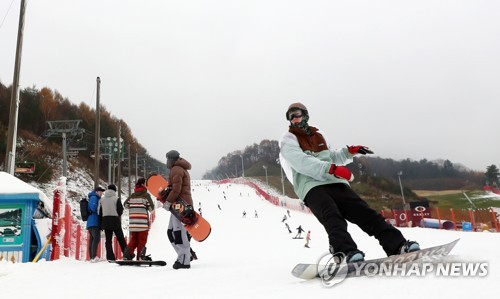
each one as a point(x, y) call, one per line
point(11, 227)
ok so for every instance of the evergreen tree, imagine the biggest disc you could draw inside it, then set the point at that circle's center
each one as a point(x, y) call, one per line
point(492, 175)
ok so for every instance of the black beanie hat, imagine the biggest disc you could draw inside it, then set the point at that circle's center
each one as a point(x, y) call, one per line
point(140, 182)
point(172, 156)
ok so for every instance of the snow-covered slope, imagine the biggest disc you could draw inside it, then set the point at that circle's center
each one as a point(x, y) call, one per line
point(248, 258)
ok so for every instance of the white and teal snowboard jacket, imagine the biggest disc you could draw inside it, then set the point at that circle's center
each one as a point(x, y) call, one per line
point(306, 159)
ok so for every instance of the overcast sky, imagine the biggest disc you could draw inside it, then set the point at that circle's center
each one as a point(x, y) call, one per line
point(409, 79)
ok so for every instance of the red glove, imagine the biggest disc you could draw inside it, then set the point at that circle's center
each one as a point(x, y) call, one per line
point(359, 149)
point(341, 172)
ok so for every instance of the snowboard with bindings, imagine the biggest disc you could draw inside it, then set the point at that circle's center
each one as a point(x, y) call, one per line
point(139, 263)
point(199, 229)
point(375, 267)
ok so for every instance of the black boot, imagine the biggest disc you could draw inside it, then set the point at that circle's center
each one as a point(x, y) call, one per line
point(127, 256)
point(143, 256)
point(409, 246)
point(178, 265)
point(193, 255)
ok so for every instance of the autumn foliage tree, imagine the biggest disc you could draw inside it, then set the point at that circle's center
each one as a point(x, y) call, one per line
point(39, 106)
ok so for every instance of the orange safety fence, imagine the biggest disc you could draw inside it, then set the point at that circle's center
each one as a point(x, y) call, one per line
point(283, 201)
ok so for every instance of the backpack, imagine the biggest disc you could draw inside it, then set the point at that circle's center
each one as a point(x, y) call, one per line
point(84, 208)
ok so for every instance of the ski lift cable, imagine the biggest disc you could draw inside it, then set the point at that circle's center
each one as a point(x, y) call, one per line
point(7, 13)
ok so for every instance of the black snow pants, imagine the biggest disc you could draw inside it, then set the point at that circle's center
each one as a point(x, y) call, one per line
point(333, 204)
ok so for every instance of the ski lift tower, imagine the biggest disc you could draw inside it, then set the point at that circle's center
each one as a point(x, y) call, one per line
point(63, 128)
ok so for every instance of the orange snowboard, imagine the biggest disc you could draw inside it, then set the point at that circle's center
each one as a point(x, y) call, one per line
point(200, 229)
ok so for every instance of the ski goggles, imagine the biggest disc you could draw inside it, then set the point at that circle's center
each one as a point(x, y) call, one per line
point(295, 114)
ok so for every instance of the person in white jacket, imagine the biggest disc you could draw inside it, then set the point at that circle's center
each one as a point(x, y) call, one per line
point(322, 183)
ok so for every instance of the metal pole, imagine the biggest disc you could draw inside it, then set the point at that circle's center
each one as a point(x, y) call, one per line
point(119, 175)
point(97, 133)
point(129, 169)
point(472, 204)
point(113, 166)
point(109, 150)
point(136, 166)
point(401, 186)
point(242, 167)
point(10, 156)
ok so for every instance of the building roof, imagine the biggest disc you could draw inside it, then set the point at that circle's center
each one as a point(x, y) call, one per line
point(9, 184)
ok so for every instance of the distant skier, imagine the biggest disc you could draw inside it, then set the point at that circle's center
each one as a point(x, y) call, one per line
point(299, 232)
point(256, 215)
point(288, 212)
point(284, 218)
point(308, 238)
point(288, 227)
point(218, 205)
point(322, 183)
point(244, 214)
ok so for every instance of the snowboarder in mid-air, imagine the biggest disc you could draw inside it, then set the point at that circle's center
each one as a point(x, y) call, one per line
point(322, 183)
